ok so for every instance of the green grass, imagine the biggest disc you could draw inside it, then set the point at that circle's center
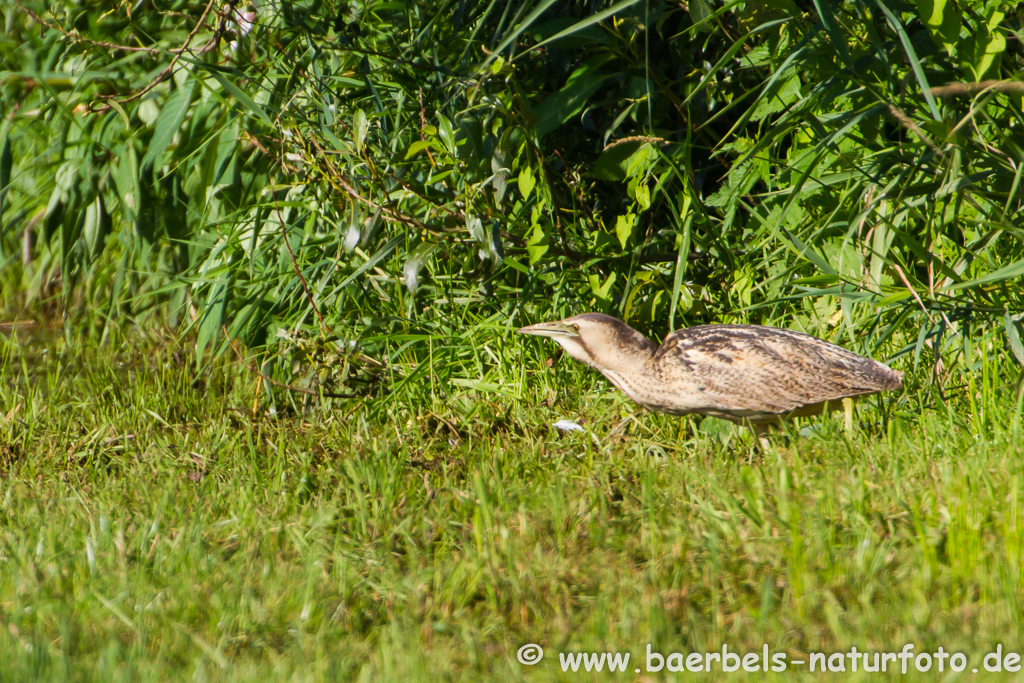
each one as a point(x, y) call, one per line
point(153, 528)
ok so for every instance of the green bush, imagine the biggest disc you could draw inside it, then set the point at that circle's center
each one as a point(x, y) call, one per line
point(346, 185)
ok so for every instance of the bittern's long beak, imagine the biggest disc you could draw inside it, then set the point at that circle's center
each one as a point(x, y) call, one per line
point(552, 329)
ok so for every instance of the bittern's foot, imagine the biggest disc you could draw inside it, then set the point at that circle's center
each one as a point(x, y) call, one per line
point(848, 410)
point(760, 433)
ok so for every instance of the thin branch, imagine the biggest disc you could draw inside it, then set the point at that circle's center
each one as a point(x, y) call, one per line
point(160, 77)
point(76, 37)
point(635, 138)
point(336, 177)
point(953, 89)
point(166, 73)
point(295, 265)
point(910, 125)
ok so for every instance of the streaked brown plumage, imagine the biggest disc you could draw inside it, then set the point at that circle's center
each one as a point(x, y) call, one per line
point(744, 373)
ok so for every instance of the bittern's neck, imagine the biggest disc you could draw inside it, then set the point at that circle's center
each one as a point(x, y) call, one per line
point(626, 365)
point(625, 352)
point(625, 362)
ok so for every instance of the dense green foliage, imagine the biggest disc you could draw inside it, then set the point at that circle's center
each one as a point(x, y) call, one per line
point(418, 176)
point(152, 528)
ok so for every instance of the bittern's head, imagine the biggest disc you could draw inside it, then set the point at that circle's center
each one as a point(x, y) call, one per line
point(598, 340)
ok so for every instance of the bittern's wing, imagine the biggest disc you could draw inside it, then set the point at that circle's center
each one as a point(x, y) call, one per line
point(750, 370)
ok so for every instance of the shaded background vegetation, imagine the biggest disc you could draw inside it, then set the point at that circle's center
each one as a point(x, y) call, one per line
point(347, 187)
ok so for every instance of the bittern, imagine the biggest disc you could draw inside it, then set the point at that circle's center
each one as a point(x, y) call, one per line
point(747, 374)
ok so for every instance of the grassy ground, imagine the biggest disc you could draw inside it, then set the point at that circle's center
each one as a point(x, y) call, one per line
point(153, 528)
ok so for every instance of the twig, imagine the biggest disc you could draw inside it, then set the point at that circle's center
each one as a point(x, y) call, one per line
point(908, 122)
point(166, 73)
point(448, 424)
point(163, 75)
point(953, 89)
point(295, 265)
point(78, 38)
point(11, 412)
point(115, 439)
point(333, 175)
point(423, 115)
point(423, 125)
point(635, 138)
point(256, 397)
point(913, 291)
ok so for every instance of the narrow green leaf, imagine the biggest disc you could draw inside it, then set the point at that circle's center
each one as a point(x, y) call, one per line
point(209, 326)
point(116, 106)
point(567, 102)
point(126, 178)
point(333, 139)
point(1013, 337)
point(893, 298)
point(54, 215)
point(1004, 274)
point(168, 123)
point(807, 252)
point(515, 265)
point(682, 255)
point(420, 145)
point(511, 36)
point(97, 225)
point(589, 21)
point(882, 239)
point(244, 99)
point(729, 55)
point(447, 134)
point(484, 387)
point(915, 63)
point(371, 262)
point(700, 12)
point(827, 15)
point(360, 127)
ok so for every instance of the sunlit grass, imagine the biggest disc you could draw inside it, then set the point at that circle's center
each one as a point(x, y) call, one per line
point(153, 527)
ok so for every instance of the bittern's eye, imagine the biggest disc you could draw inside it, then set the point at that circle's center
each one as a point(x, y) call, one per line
point(576, 327)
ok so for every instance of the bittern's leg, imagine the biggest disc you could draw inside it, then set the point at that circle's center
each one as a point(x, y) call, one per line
point(760, 432)
point(848, 408)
